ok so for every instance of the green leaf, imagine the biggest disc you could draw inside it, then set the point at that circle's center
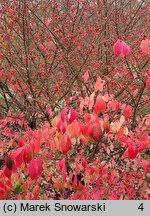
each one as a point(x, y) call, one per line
point(17, 189)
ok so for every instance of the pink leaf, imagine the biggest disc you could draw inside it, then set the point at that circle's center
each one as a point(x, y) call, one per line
point(121, 49)
point(91, 100)
point(73, 129)
point(146, 165)
point(96, 66)
point(99, 84)
point(114, 105)
point(145, 46)
point(127, 112)
point(63, 167)
point(35, 168)
point(86, 76)
point(1, 56)
point(126, 51)
point(63, 114)
point(135, 75)
point(148, 80)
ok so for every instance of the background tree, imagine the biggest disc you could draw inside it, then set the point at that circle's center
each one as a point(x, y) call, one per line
point(47, 47)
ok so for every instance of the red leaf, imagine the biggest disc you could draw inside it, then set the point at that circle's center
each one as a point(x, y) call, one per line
point(84, 129)
point(27, 156)
point(91, 170)
point(62, 165)
point(87, 118)
point(61, 127)
point(37, 143)
point(65, 144)
point(90, 130)
point(84, 163)
point(2, 189)
point(100, 106)
point(96, 132)
point(17, 157)
point(132, 151)
point(20, 142)
point(7, 172)
point(72, 115)
point(35, 168)
point(120, 133)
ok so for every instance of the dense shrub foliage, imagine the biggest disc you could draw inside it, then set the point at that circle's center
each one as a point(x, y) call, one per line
point(75, 98)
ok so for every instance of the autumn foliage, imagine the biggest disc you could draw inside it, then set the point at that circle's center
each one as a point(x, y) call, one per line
point(75, 98)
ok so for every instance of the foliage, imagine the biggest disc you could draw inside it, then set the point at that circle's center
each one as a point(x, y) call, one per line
point(75, 83)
